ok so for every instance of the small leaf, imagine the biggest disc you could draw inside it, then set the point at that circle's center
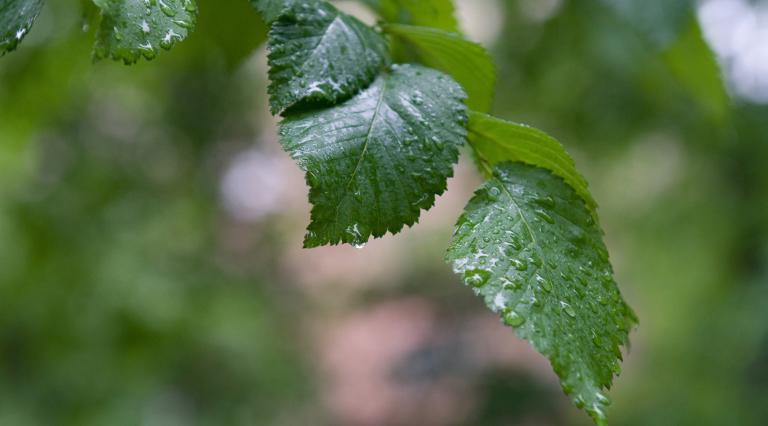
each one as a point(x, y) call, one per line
point(131, 29)
point(531, 249)
point(376, 160)
point(320, 55)
point(438, 14)
point(497, 140)
point(467, 62)
point(16, 19)
point(271, 9)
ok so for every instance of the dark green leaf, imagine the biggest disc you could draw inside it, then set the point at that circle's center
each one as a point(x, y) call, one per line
point(531, 249)
point(271, 9)
point(131, 29)
point(496, 141)
point(467, 62)
point(320, 55)
point(16, 19)
point(376, 160)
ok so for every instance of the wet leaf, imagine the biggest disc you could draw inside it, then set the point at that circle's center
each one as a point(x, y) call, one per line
point(16, 19)
point(132, 29)
point(497, 140)
point(467, 62)
point(318, 55)
point(271, 9)
point(531, 249)
point(374, 162)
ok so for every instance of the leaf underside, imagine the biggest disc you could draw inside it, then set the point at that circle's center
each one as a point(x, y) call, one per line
point(130, 30)
point(497, 140)
point(531, 249)
point(467, 62)
point(16, 19)
point(318, 55)
point(376, 160)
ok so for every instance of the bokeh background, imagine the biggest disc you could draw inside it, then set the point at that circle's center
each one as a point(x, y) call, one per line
point(151, 269)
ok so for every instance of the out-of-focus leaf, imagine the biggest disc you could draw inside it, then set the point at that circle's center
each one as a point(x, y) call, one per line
point(467, 62)
point(496, 140)
point(376, 160)
point(659, 20)
point(132, 29)
point(532, 250)
point(693, 63)
point(16, 19)
point(320, 55)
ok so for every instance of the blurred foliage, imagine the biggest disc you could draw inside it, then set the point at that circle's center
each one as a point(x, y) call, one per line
point(121, 301)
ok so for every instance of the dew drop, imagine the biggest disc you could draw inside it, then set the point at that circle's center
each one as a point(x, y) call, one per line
point(545, 284)
point(568, 309)
point(513, 319)
point(545, 216)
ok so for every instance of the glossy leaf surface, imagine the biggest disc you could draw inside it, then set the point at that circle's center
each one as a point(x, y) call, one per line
point(132, 29)
point(16, 19)
point(374, 162)
point(531, 249)
point(318, 55)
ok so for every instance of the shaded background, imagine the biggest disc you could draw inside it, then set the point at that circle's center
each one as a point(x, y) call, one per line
point(151, 269)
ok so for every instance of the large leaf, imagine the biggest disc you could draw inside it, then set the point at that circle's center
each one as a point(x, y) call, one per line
point(428, 13)
point(467, 62)
point(16, 19)
point(131, 29)
point(531, 249)
point(376, 160)
point(320, 55)
point(496, 140)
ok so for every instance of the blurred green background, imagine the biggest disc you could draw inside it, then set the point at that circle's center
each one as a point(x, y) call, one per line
point(150, 263)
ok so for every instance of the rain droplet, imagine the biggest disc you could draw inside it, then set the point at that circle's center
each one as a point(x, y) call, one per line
point(545, 284)
point(545, 216)
point(568, 309)
point(513, 319)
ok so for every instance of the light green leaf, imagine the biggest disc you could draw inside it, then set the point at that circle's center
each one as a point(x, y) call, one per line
point(427, 13)
point(320, 55)
point(131, 29)
point(376, 160)
point(16, 19)
point(496, 140)
point(531, 249)
point(467, 62)
point(271, 9)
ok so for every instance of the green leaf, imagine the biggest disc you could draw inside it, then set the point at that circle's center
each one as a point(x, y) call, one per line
point(694, 64)
point(271, 9)
point(376, 160)
point(467, 62)
point(495, 141)
point(16, 19)
point(131, 29)
point(531, 249)
point(320, 55)
point(427, 13)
